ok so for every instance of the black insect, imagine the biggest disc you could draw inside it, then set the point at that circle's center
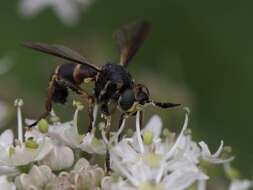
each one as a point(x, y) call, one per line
point(113, 83)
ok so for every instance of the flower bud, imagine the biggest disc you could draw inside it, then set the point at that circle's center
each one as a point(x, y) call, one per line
point(11, 151)
point(78, 105)
point(43, 126)
point(32, 144)
point(147, 137)
point(61, 157)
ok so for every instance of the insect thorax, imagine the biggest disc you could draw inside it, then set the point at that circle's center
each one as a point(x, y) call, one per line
point(112, 80)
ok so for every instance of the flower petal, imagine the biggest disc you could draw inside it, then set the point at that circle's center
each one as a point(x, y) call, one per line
point(6, 138)
point(154, 125)
point(60, 157)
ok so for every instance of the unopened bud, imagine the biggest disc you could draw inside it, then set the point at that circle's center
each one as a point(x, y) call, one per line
point(78, 105)
point(32, 144)
point(147, 137)
point(43, 126)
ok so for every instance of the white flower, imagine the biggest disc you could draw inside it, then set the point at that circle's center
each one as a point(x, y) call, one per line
point(151, 131)
point(91, 144)
point(110, 183)
point(213, 158)
point(67, 134)
point(24, 154)
point(37, 178)
point(6, 140)
point(5, 184)
point(63, 133)
point(21, 153)
point(68, 11)
point(87, 176)
point(148, 161)
point(8, 171)
point(236, 184)
point(61, 157)
point(183, 177)
point(82, 176)
point(240, 185)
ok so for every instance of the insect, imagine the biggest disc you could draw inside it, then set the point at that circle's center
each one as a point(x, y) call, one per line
point(112, 81)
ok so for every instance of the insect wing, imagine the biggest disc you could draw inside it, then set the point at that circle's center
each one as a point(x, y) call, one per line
point(129, 39)
point(60, 51)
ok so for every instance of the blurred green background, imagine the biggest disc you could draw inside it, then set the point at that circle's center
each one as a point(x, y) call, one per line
point(199, 53)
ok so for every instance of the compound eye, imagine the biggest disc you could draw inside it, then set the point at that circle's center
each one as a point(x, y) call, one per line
point(127, 99)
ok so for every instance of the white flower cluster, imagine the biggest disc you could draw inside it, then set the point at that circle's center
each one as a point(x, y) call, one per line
point(50, 157)
point(68, 11)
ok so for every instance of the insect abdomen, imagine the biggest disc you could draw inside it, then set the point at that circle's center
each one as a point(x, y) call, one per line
point(66, 72)
point(76, 73)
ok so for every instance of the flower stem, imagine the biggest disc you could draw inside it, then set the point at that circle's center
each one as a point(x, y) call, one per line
point(138, 131)
point(122, 126)
point(76, 117)
point(95, 113)
point(18, 103)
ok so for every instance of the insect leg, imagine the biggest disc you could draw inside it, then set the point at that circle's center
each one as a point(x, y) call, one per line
point(86, 96)
point(74, 87)
point(48, 103)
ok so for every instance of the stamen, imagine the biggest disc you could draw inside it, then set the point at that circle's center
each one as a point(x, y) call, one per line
point(120, 129)
point(102, 129)
point(18, 103)
point(54, 118)
point(160, 172)
point(219, 151)
point(79, 107)
point(138, 131)
point(124, 171)
point(173, 149)
point(95, 113)
point(76, 117)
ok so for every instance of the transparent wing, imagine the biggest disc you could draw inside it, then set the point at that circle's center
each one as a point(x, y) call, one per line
point(129, 39)
point(60, 51)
